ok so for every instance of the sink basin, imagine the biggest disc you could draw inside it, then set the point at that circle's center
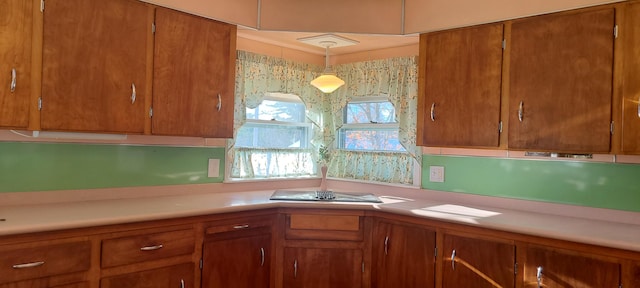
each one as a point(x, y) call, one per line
point(324, 196)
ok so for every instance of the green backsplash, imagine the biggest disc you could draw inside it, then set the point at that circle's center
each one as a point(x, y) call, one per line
point(58, 166)
point(601, 185)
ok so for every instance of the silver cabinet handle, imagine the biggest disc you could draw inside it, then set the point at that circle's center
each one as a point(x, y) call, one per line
point(453, 259)
point(539, 275)
point(295, 268)
point(151, 248)
point(181, 283)
point(433, 111)
point(386, 245)
point(521, 111)
point(261, 257)
point(28, 265)
point(244, 226)
point(13, 80)
point(639, 108)
point(133, 93)
point(219, 106)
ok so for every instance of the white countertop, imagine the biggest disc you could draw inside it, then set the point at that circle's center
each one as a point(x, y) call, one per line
point(56, 216)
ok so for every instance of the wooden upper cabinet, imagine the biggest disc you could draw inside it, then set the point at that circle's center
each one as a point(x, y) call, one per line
point(403, 256)
point(550, 267)
point(560, 82)
point(193, 76)
point(461, 86)
point(15, 62)
point(94, 74)
point(474, 262)
point(631, 80)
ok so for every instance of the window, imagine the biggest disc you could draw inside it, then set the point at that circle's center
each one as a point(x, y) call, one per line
point(274, 141)
point(370, 125)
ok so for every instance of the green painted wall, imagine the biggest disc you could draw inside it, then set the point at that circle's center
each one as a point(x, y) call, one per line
point(602, 185)
point(58, 166)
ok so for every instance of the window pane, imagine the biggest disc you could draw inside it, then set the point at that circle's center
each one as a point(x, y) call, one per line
point(370, 139)
point(272, 136)
point(278, 110)
point(370, 112)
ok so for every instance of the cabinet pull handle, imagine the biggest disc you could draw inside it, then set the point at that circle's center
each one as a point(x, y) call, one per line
point(151, 248)
point(453, 259)
point(521, 111)
point(433, 111)
point(244, 226)
point(638, 109)
point(13, 80)
point(539, 275)
point(28, 265)
point(181, 283)
point(219, 106)
point(386, 245)
point(295, 268)
point(261, 257)
point(133, 93)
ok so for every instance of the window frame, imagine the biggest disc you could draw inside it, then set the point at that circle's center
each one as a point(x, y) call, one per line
point(363, 126)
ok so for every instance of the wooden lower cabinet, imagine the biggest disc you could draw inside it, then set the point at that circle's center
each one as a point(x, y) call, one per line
point(237, 260)
point(403, 255)
point(323, 267)
point(177, 276)
point(472, 262)
point(551, 267)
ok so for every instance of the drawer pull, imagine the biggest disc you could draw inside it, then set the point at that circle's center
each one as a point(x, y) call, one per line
point(245, 226)
point(539, 275)
point(28, 265)
point(453, 259)
point(261, 257)
point(181, 283)
point(151, 248)
point(12, 87)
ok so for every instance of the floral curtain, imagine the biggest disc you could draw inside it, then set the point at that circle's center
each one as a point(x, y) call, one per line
point(256, 76)
point(397, 79)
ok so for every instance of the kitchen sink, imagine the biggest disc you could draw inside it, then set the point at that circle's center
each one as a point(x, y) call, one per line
point(324, 196)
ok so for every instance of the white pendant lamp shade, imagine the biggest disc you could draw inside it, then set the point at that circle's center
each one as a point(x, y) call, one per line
point(327, 82)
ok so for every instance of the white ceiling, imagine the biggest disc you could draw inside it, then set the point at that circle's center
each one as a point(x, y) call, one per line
point(366, 42)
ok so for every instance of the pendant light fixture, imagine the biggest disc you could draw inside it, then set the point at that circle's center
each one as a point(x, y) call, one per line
point(327, 82)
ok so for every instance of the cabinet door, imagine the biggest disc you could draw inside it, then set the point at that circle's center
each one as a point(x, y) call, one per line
point(403, 256)
point(193, 76)
point(94, 63)
point(547, 267)
point(168, 277)
point(241, 262)
point(631, 86)
point(463, 86)
point(469, 262)
point(15, 62)
point(323, 267)
point(561, 82)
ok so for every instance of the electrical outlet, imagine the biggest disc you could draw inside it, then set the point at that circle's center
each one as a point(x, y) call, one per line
point(214, 168)
point(436, 174)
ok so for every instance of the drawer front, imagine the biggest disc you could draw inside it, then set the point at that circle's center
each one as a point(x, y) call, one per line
point(147, 247)
point(239, 224)
point(38, 261)
point(181, 275)
point(324, 227)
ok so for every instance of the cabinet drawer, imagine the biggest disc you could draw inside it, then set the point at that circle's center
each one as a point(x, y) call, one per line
point(324, 227)
point(146, 247)
point(20, 262)
point(239, 224)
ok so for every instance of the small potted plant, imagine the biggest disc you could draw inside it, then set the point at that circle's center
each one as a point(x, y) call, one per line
point(323, 159)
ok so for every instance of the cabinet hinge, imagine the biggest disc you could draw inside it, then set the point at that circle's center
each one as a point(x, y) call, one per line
point(615, 32)
point(39, 103)
point(500, 127)
point(153, 28)
point(515, 268)
point(612, 127)
point(201, 263)
point(504, 44)
point(435, 252)
point(150, 112)
point(41, 5)
point(362, 266)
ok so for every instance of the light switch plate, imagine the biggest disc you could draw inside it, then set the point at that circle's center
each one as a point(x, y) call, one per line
point(214, 168)
point(436, 173)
